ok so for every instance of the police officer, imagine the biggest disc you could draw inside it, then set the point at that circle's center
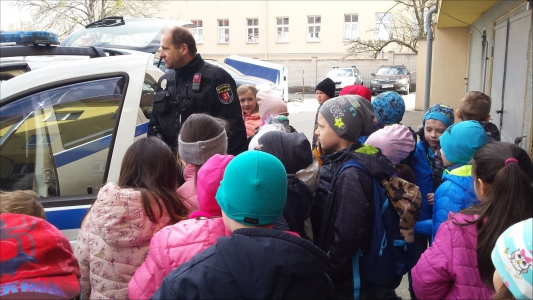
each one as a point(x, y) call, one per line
point(193, 86)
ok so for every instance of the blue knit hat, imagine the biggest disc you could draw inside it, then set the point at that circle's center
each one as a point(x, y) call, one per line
point(441, 112)
point(513, 259)
point(389, 107)
point(253, 190)
point(461, 141)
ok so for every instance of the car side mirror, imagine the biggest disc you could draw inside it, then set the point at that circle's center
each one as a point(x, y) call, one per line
point(409, 73)
point(372, 74)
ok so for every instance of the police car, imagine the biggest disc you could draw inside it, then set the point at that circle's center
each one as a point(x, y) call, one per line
point(66, 124)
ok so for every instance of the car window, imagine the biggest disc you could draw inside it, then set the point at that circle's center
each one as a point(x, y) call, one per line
point(56, 142)
point(340, 73)
point(391, 71)
point(231, 70)
point(147, 96)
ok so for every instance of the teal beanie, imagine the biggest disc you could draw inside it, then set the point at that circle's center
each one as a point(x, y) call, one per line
point(253, 190)
point(461, 141)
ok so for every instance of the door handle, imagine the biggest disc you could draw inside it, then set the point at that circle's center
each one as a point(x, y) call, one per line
point(499, 111)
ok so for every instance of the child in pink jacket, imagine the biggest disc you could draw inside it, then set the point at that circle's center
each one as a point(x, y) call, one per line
point(250, 109)
point(177, 244)
point(458, 263)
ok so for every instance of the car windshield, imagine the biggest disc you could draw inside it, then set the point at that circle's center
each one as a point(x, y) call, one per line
point(340, 73)
point(391, 71)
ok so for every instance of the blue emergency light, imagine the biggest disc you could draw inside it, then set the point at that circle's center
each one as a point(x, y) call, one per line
point(29, 37)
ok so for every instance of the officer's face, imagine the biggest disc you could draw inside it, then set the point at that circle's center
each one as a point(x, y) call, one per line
point(173, 56)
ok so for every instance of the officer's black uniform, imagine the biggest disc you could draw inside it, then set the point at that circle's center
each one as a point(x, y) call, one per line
point(177, 100)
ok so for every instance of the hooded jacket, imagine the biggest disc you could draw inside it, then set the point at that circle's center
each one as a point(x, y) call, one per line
point(347, 215)
point(448, 269)
point(422, 166)
point(177, 244)
point(252, 122)
point(455, 194)
point(187, 191)
point(252, 263)
point(113, 242)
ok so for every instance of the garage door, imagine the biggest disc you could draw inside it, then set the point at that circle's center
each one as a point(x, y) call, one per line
point(509, 72)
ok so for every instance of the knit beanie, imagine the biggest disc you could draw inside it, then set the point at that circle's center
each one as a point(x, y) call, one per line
point(209, 177)
point(292, 149)
point(348, 116)
point(254, 189)
point(513, 259)
point(357, 89)
point(396, 142)
point(441, 112)
point(461, 141)
point(389, 107)
point(199, 152)
point(270, 103)
point(327, 86)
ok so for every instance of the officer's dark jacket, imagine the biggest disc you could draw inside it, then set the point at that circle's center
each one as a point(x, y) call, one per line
point(217, 97)
point(253, 263)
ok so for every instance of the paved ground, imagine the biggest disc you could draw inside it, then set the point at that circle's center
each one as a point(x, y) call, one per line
point(302, 117)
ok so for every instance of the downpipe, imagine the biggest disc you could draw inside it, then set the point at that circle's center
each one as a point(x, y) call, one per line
point(429, 54)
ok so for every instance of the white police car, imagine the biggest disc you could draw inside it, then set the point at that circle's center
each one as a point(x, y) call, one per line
point(64, 127)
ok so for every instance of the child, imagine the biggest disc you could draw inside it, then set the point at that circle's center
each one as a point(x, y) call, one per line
point(357, 89)
point(201, 136)
point(346, 210)
point(474, 106)
point(255, 262)
point(458, 144)
point(324, 91)
point(294, 151)
point(270, 103)
point(177, 244)
point(250, 110)
point(115, 234)
point(389, 109)
point(457, 265)
point(512, 258)
point(36, 260)
point(21, 202)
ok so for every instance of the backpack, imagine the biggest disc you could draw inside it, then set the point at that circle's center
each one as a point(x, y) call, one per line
point(390, 256)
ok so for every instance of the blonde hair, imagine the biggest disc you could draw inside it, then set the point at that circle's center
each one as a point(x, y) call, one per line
point(245, 88)
point(21, 202)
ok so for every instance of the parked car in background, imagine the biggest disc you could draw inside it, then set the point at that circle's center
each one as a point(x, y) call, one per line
point(344, 76)
point(391, 78)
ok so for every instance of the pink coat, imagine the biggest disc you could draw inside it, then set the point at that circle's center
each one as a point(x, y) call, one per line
point(113, 242)
point(187, 191)
point(252, 121)
point(448, 269)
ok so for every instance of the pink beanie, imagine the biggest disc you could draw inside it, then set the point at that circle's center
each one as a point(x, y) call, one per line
point(395, 141)
point(270, 103)
point(209, 177)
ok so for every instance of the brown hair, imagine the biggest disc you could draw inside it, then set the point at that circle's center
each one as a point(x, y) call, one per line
point(182, 36)
point(475, 105)
point(245, 88)
point(149, 166)
point(507, 202)
point(406, 173)
point(503, 293)
point(21, 202)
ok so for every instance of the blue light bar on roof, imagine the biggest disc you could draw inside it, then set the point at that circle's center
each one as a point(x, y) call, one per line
point(29, 37)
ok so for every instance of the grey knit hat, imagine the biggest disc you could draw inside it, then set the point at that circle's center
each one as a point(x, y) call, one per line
point(198, 153)
point(348, 116)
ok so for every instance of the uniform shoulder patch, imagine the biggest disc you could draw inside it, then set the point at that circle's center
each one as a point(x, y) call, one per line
point(224, 93)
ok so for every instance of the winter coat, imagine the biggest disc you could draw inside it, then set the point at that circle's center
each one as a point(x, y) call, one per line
point(187, 191)
point(448, 269)
point(252, 122)
point(170, 248)
point(455, 194)
point(298, 206)
point(253, 263)
point(422, 166)
point(113, 242)
point(347, 216)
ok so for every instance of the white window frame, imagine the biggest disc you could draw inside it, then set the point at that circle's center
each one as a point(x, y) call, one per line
point(349, 34)
point(284, 37)
point(383, 26)
point(254, 38)
point(198, 31)
point(313, 36)
point(225, 27)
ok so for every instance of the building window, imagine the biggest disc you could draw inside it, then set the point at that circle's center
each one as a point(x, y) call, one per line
point(314, 28)
point(223, 31)
point(350, 27)
point(198, 32)
point(253, 30)
point(383, 26)
point(282, 30)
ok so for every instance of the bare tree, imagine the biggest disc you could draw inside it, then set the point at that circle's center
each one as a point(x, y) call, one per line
point(64, 16)
point(404, 27)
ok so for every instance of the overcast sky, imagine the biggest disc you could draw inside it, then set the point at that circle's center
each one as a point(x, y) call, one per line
point(11, 15)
